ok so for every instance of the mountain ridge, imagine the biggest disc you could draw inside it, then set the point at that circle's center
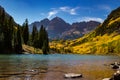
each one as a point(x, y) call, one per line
point(58, 29)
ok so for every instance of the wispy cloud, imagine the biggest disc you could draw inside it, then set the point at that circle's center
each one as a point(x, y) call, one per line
point(52, 13)
point(66, 9)
point(104, 7)
point(89, 19)
point(70, 10)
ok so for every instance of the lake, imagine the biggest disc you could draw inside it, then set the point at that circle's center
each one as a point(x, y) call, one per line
point(54, 66)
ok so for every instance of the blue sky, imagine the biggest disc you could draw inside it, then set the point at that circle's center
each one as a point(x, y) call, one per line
point(69, 10)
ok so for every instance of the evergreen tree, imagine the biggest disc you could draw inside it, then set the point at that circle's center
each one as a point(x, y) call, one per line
point(25, 33)
point(46, 41)
point(44, 48)
point(34, 32)
point(2, 20)
point(18, 41)
point(43, 40)
point(3, 17)
point(41, 37)
point(8, 34)
point(34, 36)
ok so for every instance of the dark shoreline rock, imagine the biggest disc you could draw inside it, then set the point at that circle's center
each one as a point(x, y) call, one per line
point(115, 65)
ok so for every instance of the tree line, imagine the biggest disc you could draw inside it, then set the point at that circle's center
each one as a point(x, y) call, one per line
point(38, 39)
point(12, 36)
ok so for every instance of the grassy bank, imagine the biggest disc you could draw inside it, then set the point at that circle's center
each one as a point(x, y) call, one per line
point(32, 50)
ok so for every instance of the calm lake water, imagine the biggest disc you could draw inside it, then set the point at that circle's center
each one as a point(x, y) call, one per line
point(54, 66)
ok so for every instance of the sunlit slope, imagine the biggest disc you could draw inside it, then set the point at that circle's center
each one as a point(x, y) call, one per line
point(105, 39)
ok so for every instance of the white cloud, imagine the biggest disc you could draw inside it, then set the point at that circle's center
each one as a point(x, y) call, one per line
point(69, 10)
point(90, 19)
point(73, 11)
point(52, 13)
point(66, 9)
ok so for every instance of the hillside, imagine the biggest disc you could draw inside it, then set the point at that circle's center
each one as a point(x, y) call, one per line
point(10, 34)
point(7, 16)
point(105, 39)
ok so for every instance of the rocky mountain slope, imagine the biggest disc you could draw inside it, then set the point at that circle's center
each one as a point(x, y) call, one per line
point(79, 29)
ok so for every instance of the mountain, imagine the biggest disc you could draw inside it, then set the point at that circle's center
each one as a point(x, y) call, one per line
point(43, 22)
point(105, 39)
point(57, 26)
point(59, 29)
point(78, 29)
point(84, 27)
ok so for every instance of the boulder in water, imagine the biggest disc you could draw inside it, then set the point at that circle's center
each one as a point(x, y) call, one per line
point(106, 79)
point(72, 75)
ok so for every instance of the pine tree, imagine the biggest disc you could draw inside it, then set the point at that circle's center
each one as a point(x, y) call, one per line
point(8, 34)
point(19, 38)
point(46, 40)
point(25, 33)
point(3, 17)
point(18, 41)
point(9, 37)
point(44, 48)
point(41, 37)
point(34, 32)
point(2, 20)
point(35, 36)
point(43, 40)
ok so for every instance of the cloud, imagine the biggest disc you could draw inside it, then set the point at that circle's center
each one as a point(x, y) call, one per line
point(52, 13)
point(73, 11)
point(69, 10)
point(104, 7)
point(66, 9)
point(90, 19)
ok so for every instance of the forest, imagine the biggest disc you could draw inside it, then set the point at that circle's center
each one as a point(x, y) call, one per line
point(13, 36)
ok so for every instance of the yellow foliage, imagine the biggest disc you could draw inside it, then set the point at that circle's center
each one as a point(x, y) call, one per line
point(112, 21)
point(98, 45)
